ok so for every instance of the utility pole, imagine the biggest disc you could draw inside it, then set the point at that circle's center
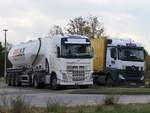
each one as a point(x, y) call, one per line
point(5, 65)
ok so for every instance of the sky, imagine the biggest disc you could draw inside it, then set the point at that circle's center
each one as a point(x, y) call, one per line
point(31, 19)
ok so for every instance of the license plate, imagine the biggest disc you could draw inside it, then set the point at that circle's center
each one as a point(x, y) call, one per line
point(78, 79)
point(79, 82)
point(132, 83)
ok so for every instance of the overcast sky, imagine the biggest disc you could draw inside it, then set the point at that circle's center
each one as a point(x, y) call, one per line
point(30, 19)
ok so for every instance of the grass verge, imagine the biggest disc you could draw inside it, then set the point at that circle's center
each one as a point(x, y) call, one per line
point(112, 90)
point(19, 105)
point(131, 108)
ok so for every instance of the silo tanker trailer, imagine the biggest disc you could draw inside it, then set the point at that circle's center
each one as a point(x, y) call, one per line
point(55, 61)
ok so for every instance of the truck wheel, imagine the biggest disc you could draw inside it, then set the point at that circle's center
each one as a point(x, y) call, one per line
point(12, 80)
point(38, 85)
point(9, 80)
point(6, 80)
point(54, 84)
point(35, 83)
point(30, 81)
point(109, 81)
point(84, 86)
point(17, 82)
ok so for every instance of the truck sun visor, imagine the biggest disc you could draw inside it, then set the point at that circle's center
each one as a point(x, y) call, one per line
point(73, 41)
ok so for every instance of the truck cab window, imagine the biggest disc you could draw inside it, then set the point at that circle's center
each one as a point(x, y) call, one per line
point(131, 54)
point(76, 51)
point(113, 53)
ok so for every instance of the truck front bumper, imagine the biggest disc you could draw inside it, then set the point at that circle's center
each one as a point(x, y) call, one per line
point(133, 76)
point(125, 76)
point(70, 83)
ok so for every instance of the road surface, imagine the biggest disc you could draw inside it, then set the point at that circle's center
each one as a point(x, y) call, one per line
point(40, 97)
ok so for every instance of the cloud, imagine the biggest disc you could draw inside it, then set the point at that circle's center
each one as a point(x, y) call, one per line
point(30, 19)
point(24, 23)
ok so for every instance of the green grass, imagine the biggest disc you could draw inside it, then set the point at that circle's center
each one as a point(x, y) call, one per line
point(107, 109)
point(123, 109)
point(131, 108)
point(18, 105)
point(112, 90)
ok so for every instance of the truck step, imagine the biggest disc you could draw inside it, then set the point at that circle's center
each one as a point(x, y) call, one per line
point(24, 79)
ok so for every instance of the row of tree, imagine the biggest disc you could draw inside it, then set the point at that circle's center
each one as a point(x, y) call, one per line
point(88, 26)
point(1, 59)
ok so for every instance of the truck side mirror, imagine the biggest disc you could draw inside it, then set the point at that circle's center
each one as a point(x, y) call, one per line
point(58, 52)
point(113, 53)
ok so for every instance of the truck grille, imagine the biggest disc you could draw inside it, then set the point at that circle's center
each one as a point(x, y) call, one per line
point(132, 68)
point(77, 72)
point(132, 73)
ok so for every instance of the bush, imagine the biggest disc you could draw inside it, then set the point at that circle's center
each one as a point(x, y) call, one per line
point(54, 107)
point(4, 104)
point(80, 109)
point(110, 100)
point(18, 105)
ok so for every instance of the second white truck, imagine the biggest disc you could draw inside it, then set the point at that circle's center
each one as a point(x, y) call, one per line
point(55, 61)
point(118, 61)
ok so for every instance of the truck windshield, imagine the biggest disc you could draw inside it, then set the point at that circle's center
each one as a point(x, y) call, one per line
point(131, 54)
point(76, 51)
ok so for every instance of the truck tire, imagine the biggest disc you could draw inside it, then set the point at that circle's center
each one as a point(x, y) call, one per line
point(54, 84)
point(30, 81)
point(109, 81)
point(9, 80)
point(6, 79)
point(12, 82)
point(84, 86)
point(17, 82)
point(38, 85)
point(35, 83)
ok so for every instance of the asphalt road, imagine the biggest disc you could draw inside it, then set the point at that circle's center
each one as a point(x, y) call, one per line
point(40, 97)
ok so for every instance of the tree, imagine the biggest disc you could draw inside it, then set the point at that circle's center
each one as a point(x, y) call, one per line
point(96, 28)
point(1, 59)
point(90, 27)
point(2, 56)
point(78, 26)
point(56, 30)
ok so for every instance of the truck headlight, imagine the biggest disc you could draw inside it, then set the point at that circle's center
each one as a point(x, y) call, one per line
point(142, 78)
point(121, 77)
point(89, 77)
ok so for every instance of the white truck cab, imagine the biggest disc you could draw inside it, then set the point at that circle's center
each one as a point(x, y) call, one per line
point(73, 61)
point(125, 61)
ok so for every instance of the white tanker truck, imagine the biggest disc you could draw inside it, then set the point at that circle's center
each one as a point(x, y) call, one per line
point(55, 61)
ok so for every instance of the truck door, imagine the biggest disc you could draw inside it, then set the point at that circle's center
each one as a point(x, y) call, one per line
point(111, 57)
